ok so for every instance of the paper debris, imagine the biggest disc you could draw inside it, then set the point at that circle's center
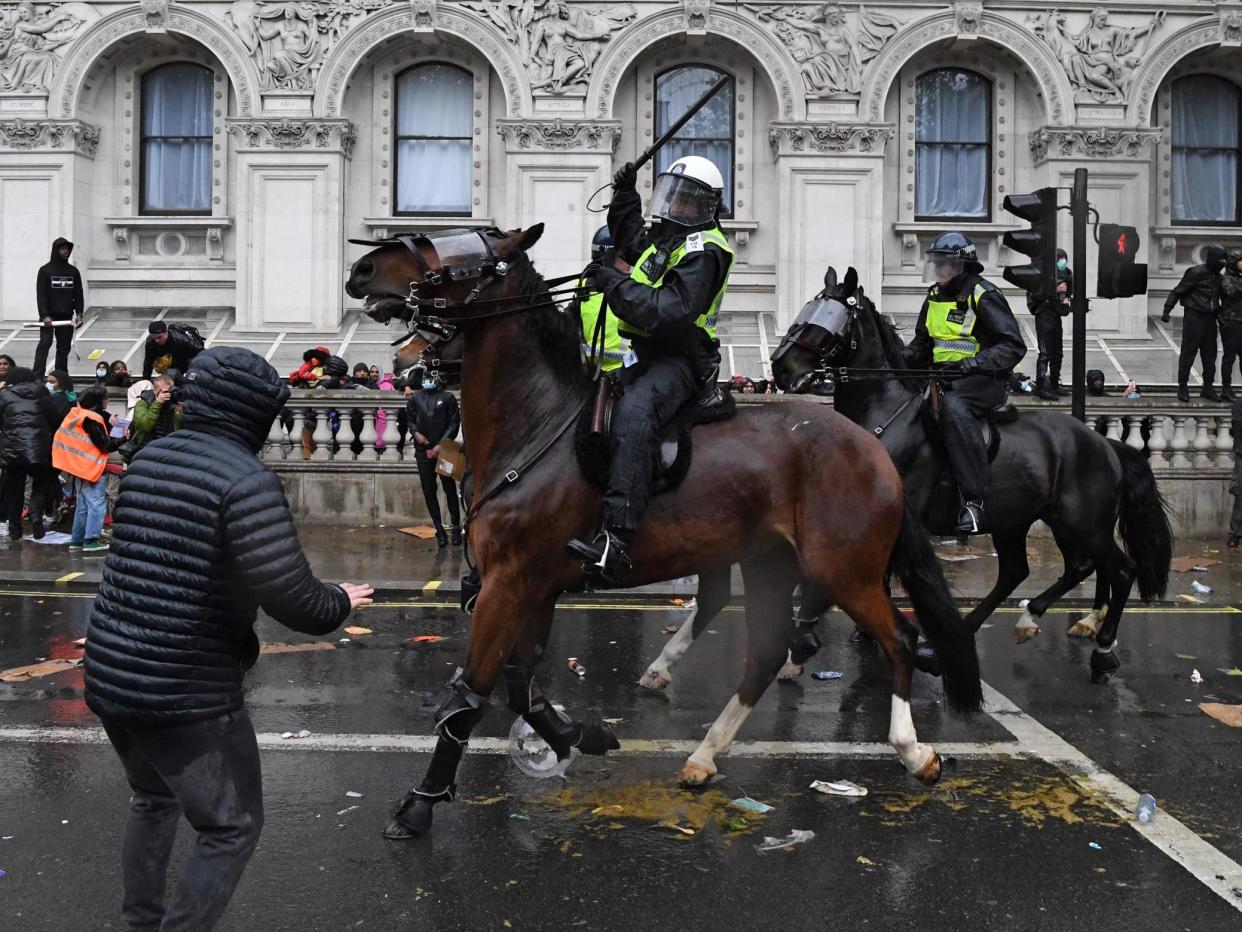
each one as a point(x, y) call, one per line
point(1196, 677)
point(295, 648)
point(290, 735)
point(356, 630)
point(47, 668)
point(1188, 564)
point(1229, 714)
point(1194, 600)
point(676, 828)
point(425, 638)
point(670, 629)
point(352, 795)
point(421, 531)
point(350, 809)
point(838, 788)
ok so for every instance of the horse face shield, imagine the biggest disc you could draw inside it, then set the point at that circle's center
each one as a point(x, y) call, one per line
point(821, 329)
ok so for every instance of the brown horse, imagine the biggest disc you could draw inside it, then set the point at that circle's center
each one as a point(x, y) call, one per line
point(787, 492)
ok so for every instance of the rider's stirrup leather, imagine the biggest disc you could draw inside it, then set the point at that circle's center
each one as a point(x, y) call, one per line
point(970, 518)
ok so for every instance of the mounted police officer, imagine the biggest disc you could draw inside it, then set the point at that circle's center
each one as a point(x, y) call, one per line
point(607, 349)
point(667, 305)
point(965, 327)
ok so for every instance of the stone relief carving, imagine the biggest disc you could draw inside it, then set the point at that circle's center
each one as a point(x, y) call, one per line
point(1091, 142)
point(33, 40)
point(830, 53)
point(1100, 60)
point(294, 134)
point(559, 43)
point(1230, 19)
point(560, 134)
point(696, 16)
point(424, 14)
point(49, 134)
point(157, 14)
point(829, 137)
point(967, 14)
point(288, 41)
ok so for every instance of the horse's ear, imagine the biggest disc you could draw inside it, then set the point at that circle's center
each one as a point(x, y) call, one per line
point(830, 279)
point(851, 281)
point(520, 240)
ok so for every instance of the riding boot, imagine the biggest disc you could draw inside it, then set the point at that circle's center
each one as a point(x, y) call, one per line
point(606, 559)
point(970, 518)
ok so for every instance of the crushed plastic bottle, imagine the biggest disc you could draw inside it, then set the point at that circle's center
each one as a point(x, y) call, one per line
point(796, 837)
point(1201, 588)
point(1146, 808)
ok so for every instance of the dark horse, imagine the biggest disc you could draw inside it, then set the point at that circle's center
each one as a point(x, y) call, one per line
point(1049, 467)
point(788, 492)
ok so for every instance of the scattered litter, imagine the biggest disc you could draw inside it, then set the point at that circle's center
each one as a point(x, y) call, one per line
point(353, 795)
point(425, 638)
point(956, 557)
point(863, 859)
point(421, 531)
point(838, 788)
point(64, 821)
point(614, 809)
point(751, 805)
point(1192, 564)
point(47, 668)
point(796, 837)
point(520, 816)
point(1185, 656)
point(1199, 568)
point(80, 642)
point(1146, 808)
point(676, 828)
point(736, 823)
point(1196, 677)
point(670, 629)
point(612, 721)
point(1201, 588)
point(1194, 600)
point(296, 734)
point(343, 641)
point(1095, 845)
point(295, 648)
point(356, 630)
point(3, 874)
point(350, 809)
point(1230, 671)
point(827, 675)
point(1229, 714)
point(577, 667)
point(678, 601)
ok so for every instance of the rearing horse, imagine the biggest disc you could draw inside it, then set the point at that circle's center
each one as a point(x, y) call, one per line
point(788, 491)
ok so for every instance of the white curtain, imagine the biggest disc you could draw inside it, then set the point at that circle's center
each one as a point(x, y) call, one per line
point(951, 172)
point(1205, 149)
point(709, 134)
point(435, 120)
point(176, 164)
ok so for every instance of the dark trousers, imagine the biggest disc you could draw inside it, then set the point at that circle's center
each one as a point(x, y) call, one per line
point(963, 411)
point(1231, 343)
point(1049, 334)
point(651, 395)
point(427, 475)
point(64, 339)
point(13, 491)
point(1198, 337)
point(208, 771)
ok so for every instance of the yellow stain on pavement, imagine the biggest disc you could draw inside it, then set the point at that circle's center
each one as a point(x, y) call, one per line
point(67, 578)
point(650, 803)
point(1033, 802)
point(432, 586)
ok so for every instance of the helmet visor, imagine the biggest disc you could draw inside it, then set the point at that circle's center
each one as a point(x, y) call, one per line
point(940, 268)
point(683, 200)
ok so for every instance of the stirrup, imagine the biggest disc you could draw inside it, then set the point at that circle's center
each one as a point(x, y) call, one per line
point(970, 518)
point(604, 558)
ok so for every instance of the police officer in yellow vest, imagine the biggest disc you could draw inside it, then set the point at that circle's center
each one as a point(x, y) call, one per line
point(667, 306)
point(615, 350)
point(965, 327)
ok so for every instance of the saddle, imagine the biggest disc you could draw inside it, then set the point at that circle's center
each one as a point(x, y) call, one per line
point(593, 440)
point(1001, 414)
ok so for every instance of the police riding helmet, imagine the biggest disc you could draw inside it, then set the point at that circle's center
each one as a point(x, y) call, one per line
point(949, 256)
point(688, 192)
point(601, 242)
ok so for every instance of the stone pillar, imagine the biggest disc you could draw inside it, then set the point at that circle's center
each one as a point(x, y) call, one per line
point(290, 221)
point(831, 178)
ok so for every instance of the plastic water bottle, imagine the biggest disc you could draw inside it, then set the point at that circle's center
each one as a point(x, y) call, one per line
point(1146, 808)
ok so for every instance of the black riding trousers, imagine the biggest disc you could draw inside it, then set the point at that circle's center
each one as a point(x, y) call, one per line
point(963, 411)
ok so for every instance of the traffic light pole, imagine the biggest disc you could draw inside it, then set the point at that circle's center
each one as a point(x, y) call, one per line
point(1078, 304)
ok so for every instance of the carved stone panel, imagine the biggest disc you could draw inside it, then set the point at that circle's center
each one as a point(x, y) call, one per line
point(1100, 59)
point(1230, 18)
point(33, 39)
point(295, 134)
point(835, 138)
point(593, 135)
point(157, 14)
point(1092, 142)
point(696, 16)
point(967, 15)
point(30, 135)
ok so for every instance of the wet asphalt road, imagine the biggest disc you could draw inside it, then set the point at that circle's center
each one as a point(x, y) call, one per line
point(1005, 842)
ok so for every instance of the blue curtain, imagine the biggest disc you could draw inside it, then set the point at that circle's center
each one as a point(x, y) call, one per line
point(176, 169)
point(1205, 149)
point(709, 134)
point(434, 169)
point(952, 140)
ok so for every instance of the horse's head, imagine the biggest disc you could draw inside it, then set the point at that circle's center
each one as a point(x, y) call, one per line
point(436, 346)
point(819, 336)
point(435, 275)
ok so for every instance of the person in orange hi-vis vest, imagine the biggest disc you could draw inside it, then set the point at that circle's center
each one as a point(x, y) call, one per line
point(80, 448)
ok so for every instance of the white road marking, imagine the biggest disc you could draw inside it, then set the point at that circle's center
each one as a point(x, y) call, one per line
point(1203, 861)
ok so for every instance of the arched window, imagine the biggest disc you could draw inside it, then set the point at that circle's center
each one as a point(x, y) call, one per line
point(1205, 150)
point(952, 146)
point(435, 122)
point(709, 134)
point(176, 140)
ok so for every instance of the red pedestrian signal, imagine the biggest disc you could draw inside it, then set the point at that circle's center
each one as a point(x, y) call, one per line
point(1118, 275)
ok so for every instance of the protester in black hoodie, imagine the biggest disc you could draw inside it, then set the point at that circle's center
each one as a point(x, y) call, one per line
point(59, 291)
point(26, 427)
point(1199, 292)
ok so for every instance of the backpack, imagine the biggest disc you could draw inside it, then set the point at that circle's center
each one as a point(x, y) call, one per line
point(188, 335)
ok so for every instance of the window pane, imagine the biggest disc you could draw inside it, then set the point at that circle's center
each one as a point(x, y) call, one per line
point(435, 100)
point(1205, 144)
point(952, 144)
point(176, 145)
point(176, 101)
point(176, 174)
point(709, 134)
point(433, 176)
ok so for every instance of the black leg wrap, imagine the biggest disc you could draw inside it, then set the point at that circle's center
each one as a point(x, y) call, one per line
point(525, 696)
point(1103, 665)
point(805, 643)
point(926, 659)
point(549, 725)
point(413, 814)
point(459, 712)
point(598, 739)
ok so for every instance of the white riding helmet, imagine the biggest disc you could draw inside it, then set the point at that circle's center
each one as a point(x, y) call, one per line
point(688, 192)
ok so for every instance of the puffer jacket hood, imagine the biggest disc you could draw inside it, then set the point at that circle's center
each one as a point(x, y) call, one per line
point(233, 393)
point(56, 244)
point(26, 421)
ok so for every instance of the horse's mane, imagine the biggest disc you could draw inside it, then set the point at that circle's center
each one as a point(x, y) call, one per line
point(558, 332)
point(891, 344)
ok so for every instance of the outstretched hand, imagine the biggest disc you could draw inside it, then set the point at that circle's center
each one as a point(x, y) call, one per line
point(626, 178)
point(359, 594)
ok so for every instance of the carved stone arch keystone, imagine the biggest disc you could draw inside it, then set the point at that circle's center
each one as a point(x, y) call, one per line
point(1034, 55)
point(349, 53)
point(1163, 59)
point(770, 56)
point(83, 53)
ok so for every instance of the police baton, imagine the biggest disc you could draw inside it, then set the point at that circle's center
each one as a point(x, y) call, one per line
point(649, 153)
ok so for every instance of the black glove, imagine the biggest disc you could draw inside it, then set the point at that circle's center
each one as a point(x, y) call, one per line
point(626, 178)
point(602, 278)
point(1165, 317)
point(968, 366)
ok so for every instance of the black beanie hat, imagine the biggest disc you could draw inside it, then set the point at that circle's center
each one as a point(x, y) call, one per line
point(157, 326)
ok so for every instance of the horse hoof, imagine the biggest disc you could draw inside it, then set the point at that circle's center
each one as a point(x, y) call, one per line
point(929, 773)
point(1103, 665)
point(695, 774)
point(655, 679)
point(1085, 627)
point(411, 820)
point(1025, 629)
point(790, 671)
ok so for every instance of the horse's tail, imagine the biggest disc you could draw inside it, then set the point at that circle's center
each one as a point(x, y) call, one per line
point(953, 638)
point(1144, 523)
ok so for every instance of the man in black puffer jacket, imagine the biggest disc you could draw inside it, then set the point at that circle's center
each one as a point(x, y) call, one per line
point(27, 421)
point(1199, 292)
point(202, 539)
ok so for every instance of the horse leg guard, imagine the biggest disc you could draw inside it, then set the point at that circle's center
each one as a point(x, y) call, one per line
point(926, 659)
point(1104, 664)
point(805, 643)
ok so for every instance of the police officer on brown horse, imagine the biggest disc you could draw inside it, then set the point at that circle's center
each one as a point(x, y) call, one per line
point(667, 307)
point(967, 328)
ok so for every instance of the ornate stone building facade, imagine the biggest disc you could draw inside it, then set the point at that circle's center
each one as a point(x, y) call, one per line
point(221, 153)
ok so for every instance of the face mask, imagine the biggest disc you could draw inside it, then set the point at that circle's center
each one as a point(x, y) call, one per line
point(1062, 264)
point(51, 386)
point(429, 384)
point(101, 373)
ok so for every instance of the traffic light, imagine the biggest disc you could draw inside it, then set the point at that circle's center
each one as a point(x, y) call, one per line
point(1117, 274)
point(1039, 278)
